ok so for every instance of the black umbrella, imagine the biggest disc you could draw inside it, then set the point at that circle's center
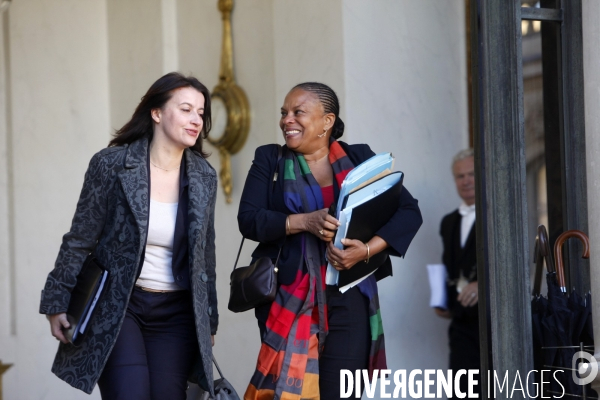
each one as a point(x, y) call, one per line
point(560, 322)
point(580, 307)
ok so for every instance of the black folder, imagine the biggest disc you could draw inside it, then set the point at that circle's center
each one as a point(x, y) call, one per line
point(92, 282)
point(367, 219)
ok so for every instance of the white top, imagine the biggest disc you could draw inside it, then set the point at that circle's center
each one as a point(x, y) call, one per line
point(467, 221)
point(157, 271)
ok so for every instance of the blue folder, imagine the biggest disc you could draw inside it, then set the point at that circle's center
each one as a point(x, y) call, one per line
point(361, 174)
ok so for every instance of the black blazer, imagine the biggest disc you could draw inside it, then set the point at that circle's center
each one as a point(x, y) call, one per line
point(262, 214)
point(457, 259)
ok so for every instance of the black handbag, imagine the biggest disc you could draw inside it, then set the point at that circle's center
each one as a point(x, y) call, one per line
point(253, 285)
point(256, 284)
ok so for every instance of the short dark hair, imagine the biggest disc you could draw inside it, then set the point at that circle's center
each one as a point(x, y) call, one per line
point(330, 103)
point(141, 124)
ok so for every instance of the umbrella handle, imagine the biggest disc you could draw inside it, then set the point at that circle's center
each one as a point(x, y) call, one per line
point(538, 259)
point(544, 248)
point(560, 268)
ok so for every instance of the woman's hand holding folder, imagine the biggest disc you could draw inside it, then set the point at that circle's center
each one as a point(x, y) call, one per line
point(58, 322)
point(354, 251)
point(319, 223)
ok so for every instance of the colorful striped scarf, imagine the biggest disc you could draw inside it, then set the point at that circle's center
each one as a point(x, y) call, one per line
point(288, 361)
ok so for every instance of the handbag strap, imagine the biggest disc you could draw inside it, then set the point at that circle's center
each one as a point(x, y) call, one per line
point(217, 365)
point(276, 173)
point(275, 176)
point(240, 251)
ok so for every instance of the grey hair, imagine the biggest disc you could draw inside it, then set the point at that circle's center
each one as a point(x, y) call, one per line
point(461, 155)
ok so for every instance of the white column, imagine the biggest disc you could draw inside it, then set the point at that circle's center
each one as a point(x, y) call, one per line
point(170, 51)
point(591, 61)
point(7, 290)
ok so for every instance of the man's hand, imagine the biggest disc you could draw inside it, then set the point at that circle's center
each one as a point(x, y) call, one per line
point(468, 296)
point(440, 312)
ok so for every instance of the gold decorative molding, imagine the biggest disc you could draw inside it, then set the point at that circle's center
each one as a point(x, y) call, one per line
point(4, 4)
point(3, 368)
point(234, 123)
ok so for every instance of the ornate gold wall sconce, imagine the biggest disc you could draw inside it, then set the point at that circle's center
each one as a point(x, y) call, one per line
point(230, 108)
point(3, 368)
point(4, 4)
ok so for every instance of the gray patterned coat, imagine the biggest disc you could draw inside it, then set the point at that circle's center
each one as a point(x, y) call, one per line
point(112, 220)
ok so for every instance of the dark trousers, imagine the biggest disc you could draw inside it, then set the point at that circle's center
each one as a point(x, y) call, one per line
point(155, 350)
point(348, 342)
point(464, 350)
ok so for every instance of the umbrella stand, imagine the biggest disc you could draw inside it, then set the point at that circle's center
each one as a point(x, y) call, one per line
point(581, 347)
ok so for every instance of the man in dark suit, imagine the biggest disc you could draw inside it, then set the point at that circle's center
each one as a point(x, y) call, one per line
point(459, 257)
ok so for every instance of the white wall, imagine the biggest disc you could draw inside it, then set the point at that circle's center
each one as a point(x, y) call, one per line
point(80, 68)
point(135, 53)
point(309, 46)
point(60, 117)
point(406, 92)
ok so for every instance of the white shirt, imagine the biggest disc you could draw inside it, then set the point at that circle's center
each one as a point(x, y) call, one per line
point(157, 271)
point(467, 221)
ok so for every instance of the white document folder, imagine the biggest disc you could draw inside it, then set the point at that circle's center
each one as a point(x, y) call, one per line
point(437, 284)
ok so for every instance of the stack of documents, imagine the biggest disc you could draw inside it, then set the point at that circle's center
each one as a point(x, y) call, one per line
point(369, 197)
point(375, 167)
